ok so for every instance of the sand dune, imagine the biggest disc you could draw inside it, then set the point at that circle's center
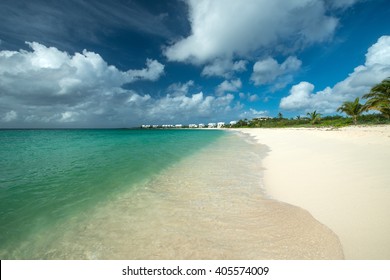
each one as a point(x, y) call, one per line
point(340, 176)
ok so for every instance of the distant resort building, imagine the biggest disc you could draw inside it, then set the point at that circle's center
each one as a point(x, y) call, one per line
point(220, 124)
point(262, 119)
point(192, 125)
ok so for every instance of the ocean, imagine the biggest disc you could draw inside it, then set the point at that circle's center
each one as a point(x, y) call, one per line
point(146, 194)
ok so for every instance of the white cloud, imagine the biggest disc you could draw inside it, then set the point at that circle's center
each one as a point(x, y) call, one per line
point(69, 116)
point(46, 72)
point(224, 68)
point(300, 97)
point(45, 57)
point(229, 86)
point(229, 28)
point(152, 72)
point(10, 116)
point(252, 113)
point(239, 66)
point(250, 97)
point(45, 87)
point(197, 105)
point(359, 82)
point(178, 89)
point(269, 70)
point(182, 108)
point(253, 97)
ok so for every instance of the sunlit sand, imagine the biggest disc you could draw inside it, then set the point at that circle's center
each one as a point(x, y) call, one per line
point(340, 176)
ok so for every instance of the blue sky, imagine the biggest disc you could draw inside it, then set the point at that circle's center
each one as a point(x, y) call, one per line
point(124, 63)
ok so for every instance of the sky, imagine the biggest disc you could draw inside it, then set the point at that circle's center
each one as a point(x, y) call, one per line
point(123, 63)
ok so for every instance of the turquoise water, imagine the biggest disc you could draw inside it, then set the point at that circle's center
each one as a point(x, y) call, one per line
point(48, 176)
point(146, 194)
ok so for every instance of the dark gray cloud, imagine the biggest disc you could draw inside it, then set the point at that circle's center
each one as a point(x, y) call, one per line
point(64, 23)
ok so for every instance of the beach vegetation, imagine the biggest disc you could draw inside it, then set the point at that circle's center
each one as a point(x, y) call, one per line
point(334, 121)
point(314, 117)
point(353, 109)
point(379, 98)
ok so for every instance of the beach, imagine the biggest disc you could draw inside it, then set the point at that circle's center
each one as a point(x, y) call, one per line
point(175, 194)
point(341, 176)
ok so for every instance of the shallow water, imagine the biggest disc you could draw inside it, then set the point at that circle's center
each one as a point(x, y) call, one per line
point(208, 205)
point(50, 176)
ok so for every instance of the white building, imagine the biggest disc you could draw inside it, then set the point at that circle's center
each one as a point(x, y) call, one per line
point(220, 124)
point(202, 125)
point(233, 122)
point(262, 119)
point(179, 126)
point(212, 125)
point(192, 125)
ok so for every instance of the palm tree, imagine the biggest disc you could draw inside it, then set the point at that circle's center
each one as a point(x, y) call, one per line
point(379, 98)
point(314, 117)
point(353, 109)
point(280, 116)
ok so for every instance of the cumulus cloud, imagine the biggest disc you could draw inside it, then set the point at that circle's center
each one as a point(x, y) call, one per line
point(178, 89)
point(152, 72)
point(269, 70)
point(253, 97)
point(224, 68)
point(10, 116)
point(69, 116)
point(195, 106)
point(229, 86)
point(299, 98)
point(375, 69)
point(250, 97)
point(252, 113)
point(217, 31)
point(46, 87)
point(47, 74)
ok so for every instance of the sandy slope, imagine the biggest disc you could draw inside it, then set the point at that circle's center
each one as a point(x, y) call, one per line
point(342, 177)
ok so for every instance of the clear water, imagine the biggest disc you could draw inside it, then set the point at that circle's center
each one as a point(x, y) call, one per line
point(146, 194)
point(49, 175)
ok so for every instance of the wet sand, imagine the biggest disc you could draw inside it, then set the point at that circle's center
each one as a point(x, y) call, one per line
point(340, 176)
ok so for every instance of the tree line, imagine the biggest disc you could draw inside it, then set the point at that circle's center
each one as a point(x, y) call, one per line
point(378, 99)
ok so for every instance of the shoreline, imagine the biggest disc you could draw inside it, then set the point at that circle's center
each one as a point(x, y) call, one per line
point(208, 205)
point(340, 176)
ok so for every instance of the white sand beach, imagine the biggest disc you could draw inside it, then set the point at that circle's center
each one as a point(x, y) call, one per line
point(340, 176)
